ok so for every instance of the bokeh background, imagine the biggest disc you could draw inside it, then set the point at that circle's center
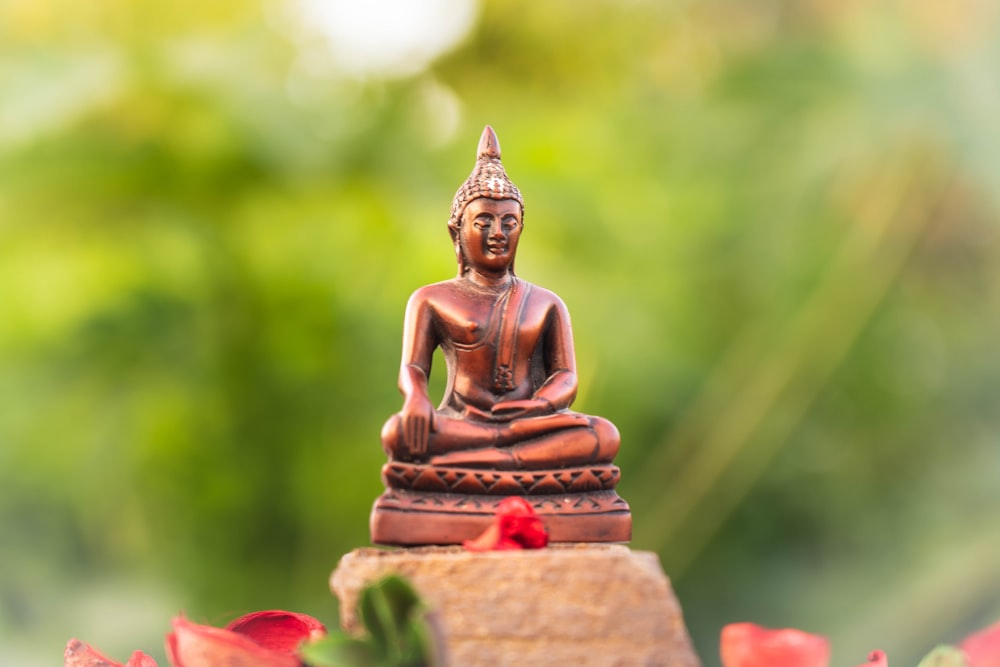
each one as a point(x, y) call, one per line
point(775, 224)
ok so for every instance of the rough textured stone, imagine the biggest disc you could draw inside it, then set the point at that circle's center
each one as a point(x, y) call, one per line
point(579, 605)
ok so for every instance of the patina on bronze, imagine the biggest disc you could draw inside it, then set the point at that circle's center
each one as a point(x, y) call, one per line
point(504, 426)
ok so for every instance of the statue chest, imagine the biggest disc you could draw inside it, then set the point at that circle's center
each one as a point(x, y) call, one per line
point(480, 327)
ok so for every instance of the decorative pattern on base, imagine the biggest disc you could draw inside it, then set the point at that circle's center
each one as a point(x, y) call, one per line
point(402, 517)
point(478, 481)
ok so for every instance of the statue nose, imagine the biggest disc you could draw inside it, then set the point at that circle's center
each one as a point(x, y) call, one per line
point(497, 232)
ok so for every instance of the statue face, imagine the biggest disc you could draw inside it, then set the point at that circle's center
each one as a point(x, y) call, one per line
point(489, 234)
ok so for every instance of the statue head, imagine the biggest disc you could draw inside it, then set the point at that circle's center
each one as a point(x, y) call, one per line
point(488, 180)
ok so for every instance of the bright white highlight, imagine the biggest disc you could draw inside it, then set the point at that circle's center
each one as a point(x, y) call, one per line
point(388, 37)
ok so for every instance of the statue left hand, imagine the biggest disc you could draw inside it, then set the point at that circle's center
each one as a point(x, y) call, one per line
point(513, 410)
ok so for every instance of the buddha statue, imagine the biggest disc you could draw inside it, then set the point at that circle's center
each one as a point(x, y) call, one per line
point(504, 426)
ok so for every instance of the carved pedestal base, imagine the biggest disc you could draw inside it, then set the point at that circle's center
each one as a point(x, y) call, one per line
point(579, 605)
point(427, 505)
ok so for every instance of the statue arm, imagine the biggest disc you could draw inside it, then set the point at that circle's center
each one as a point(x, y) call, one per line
point(559, 388)
point(419, 343)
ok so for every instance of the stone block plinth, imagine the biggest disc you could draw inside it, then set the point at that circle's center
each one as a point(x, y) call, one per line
point(576, 605)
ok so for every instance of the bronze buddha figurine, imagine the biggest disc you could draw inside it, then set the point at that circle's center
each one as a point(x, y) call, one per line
point(504, 426)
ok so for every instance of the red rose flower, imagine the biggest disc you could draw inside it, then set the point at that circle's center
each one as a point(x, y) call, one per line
point(79, 654)
point(749, 645)
point(982, 649)
point(876, 659)
point(515, 526)
point(281, 631)
point(262, 639)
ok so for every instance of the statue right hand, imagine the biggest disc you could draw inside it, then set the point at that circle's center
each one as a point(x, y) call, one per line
point(418, 417)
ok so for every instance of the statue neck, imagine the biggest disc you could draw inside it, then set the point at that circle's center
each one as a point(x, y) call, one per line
point(490, 281)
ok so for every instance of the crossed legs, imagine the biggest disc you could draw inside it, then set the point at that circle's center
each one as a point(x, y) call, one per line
point(553, 441)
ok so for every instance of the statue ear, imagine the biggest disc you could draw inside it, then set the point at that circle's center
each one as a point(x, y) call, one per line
point(456, 240)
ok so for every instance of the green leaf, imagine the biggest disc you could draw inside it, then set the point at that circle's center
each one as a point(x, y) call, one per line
point(339, 651)
point(399, 633)
point(386, 609)
point(945, 656)
point(417, 646)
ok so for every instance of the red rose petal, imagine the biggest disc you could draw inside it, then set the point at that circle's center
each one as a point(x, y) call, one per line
point(194, 645)
point(982, 649)
point(877, 659)
point(528, 531)
point(78, 654)
point(750, 645)
point(487, 541)
point(140, 659)
point(281, 631)
point(515, 526)
point(515, 506)
point(507, 544)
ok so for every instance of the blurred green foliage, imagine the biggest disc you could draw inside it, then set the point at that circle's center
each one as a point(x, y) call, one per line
point(398, 632)
point(774, 223)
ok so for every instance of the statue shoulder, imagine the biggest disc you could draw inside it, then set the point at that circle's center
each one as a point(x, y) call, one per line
point(545, 298)
point(428, 294)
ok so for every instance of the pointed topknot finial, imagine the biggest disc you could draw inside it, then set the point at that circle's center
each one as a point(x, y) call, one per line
point(488, 179)
point(489, 145)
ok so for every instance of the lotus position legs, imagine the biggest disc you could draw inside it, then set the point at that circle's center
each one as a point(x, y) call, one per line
point(554, 441)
